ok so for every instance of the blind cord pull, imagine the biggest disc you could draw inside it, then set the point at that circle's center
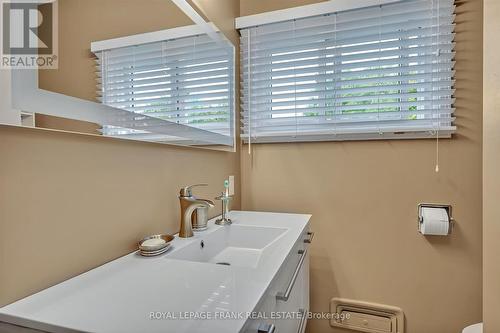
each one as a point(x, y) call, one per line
point(437, 152)
point(438, 53)
point(249, 96)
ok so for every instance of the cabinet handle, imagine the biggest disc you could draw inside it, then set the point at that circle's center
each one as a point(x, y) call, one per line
point(310, 239)
point(284, 296)
point(266, 328)
point(303, 313)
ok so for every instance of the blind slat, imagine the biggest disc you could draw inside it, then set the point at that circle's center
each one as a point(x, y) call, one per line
point(339, 90)
point(137, 72)
point(322, 113)
point(343, 36)
point(379, 76)
point(138, 91)
point(366, 64)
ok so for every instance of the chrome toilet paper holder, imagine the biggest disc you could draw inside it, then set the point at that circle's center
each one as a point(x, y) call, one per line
point(448, 209)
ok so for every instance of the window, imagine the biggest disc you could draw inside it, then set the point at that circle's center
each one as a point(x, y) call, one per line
point(378, 72)
point(185, 80)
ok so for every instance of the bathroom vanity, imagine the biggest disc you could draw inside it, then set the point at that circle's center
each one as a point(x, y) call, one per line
point(251, 276)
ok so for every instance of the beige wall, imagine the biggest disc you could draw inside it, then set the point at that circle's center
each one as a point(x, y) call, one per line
point(491, 163)
point(92, 196)
point(70, 202)
point(363, 197)
point(65, 124)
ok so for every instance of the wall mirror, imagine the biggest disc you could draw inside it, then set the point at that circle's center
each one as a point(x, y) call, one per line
point(150, 70)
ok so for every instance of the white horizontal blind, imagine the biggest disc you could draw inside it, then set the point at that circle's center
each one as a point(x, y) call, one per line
point(377, 72)
point(187, 81)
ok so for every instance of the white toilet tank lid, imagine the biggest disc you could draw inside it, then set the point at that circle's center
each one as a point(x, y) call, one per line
point(476, 328)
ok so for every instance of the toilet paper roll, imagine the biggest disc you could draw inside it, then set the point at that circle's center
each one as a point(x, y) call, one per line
point(435, 221)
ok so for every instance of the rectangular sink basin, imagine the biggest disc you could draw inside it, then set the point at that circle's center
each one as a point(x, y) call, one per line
point(234, 245)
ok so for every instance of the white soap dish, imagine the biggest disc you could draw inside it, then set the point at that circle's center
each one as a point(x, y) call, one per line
point(155, 245)
point(154, 253)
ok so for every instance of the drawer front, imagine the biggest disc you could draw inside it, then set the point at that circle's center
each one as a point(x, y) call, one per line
point(294, 278)
point(290, 307)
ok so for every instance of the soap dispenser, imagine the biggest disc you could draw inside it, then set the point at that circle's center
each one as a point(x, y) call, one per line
point(225, 198)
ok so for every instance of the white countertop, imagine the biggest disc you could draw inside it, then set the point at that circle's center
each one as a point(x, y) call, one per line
point(121, 295)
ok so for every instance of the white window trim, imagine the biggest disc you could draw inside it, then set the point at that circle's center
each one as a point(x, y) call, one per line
point(306, 11)
point(148, 37)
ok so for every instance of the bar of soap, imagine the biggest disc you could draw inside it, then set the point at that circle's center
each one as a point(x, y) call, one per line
point(153, 242)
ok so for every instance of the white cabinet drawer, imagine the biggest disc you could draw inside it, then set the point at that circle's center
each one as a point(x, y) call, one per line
point(288, 294)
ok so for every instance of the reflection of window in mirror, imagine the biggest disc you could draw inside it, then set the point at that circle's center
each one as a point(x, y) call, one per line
point(177, 75)
point(187, 79)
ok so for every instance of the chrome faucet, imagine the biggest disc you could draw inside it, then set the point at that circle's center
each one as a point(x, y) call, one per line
point(188, 204)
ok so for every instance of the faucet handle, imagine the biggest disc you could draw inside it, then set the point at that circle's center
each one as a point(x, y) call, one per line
point(186, 191)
